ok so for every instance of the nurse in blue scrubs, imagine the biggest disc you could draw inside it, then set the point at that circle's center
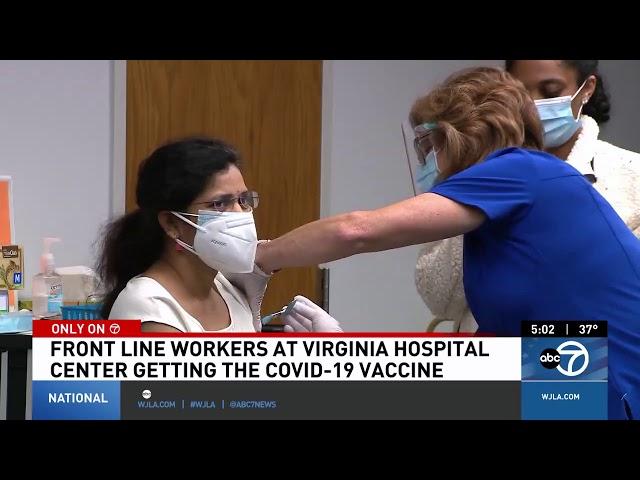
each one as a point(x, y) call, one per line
point(540, 243)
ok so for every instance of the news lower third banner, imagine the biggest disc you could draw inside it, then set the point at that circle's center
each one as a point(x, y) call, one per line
point(111, 370)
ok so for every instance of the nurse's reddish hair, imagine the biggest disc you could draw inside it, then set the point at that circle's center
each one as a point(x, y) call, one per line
point(478, 111)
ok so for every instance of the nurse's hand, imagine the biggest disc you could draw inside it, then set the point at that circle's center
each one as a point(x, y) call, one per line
point(306, 316)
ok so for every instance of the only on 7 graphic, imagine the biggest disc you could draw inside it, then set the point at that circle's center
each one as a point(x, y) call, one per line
point(578, 358)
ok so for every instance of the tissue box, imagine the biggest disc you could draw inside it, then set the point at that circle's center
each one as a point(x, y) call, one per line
point(11, 267)
point(78, 284)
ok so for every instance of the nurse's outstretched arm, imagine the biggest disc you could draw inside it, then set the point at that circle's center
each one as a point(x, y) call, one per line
point(420, 219)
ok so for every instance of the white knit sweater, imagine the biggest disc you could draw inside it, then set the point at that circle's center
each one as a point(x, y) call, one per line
point(438, 272)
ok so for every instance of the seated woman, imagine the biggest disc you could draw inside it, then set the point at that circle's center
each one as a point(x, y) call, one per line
point(163, 262)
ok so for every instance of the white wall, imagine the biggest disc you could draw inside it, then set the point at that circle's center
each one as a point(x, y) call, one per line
point(364, 167)
point(56, 143)
point(622, 80)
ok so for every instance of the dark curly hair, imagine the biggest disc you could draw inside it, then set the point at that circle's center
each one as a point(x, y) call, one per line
point(599, 104)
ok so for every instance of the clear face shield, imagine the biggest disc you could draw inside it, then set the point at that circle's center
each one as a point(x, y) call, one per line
point(419, 149)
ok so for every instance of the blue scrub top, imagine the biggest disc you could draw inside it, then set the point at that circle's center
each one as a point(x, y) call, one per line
point(552, 248)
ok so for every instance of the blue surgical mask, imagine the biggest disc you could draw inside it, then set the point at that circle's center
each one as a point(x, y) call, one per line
point(427, 173)
point(557, 118)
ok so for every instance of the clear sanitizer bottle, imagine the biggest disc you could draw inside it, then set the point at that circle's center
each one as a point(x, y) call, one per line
point(47, 285)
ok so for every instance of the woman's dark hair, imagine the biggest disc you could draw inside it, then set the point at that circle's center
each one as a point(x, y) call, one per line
point(599, 104)
point(169, 179)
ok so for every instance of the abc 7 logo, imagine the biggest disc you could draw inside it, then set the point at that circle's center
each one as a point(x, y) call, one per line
point(578, 358)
